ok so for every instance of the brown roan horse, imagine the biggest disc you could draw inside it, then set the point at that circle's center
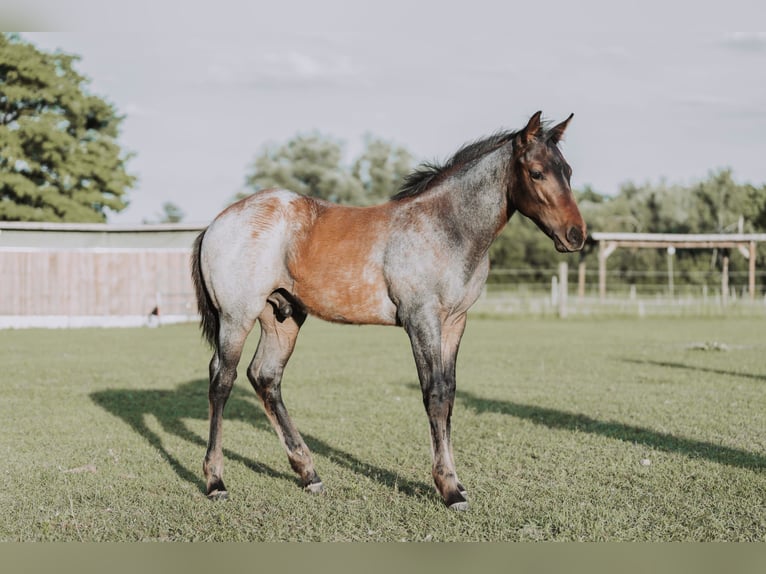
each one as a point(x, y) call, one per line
point(418, 261)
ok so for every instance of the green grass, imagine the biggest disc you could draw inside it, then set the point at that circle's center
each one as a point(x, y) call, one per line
point(563, 430)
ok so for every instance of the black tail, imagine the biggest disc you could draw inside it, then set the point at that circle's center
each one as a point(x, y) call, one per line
point(208, 313)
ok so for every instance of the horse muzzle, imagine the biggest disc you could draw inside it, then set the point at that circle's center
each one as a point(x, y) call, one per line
point(573, 240)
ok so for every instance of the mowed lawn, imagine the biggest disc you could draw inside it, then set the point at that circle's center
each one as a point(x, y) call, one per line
point(563, 430)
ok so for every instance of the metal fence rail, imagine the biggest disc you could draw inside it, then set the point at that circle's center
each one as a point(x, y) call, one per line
point(567, 292)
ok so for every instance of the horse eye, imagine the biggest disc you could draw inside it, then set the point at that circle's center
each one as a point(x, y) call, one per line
point(534, 174)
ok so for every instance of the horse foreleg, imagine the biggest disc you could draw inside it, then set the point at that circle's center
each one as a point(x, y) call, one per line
point(452, 333)
point(223, 373)
point(275, 346)
point(434, 347)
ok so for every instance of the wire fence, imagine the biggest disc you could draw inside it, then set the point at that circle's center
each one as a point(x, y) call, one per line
point(570, 291)
point(545, 292)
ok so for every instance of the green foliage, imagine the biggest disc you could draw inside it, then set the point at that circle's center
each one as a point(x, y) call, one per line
point(720, 203)
point(312, 165)
point(717, 204)
point(171, 213)
point(714, 205)
point(608, 430)
point(308, 164)
point(521, 245)
point(381, 169)
point(59, 158)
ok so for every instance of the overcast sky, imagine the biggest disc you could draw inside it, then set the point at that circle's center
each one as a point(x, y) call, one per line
point(659, 89)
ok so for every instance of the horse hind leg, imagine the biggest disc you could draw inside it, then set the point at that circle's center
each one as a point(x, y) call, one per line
point(278, 335)
point(223, 373)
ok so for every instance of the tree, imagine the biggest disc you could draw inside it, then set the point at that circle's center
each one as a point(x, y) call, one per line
point(311, 165)
point(521, 245)
point(59, 158)
point(724, 205)
point(307, 164)
point(381, 169)
point(171, 213)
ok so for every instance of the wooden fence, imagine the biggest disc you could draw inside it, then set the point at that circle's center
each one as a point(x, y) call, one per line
point(66, 275)
point(57, 275)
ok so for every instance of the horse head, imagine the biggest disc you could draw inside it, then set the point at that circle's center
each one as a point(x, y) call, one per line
point(540, 187)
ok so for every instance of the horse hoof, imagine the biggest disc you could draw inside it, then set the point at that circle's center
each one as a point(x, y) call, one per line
point(459, 506)
point(314, 488)
point(218, 495)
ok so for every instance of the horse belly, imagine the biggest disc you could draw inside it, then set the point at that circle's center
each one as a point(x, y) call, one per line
point(336, 291)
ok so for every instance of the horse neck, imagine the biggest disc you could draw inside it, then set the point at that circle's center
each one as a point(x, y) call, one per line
point(478, 196)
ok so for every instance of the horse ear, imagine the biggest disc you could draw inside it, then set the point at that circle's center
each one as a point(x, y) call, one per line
point(531, 130)
point(557, 133)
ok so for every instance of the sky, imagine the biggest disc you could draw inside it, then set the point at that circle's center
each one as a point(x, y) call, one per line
point(660, 91)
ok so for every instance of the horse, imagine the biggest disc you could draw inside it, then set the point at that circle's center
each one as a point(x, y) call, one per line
point(418, 261)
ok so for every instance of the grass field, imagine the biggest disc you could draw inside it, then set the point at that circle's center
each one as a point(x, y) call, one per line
point(563, 430)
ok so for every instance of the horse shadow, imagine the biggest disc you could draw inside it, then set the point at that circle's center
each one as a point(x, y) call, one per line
point(189, 401)
point(558, 419)
point(685, 366)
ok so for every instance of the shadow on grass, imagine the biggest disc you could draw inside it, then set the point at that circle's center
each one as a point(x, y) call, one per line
point(673, 365)
point(189, 401)
point(557, 419)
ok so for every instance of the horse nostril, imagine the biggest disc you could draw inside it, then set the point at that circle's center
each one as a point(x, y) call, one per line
point(574, 236)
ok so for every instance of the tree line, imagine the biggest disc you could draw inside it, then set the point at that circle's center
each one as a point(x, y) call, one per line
point(60, 161)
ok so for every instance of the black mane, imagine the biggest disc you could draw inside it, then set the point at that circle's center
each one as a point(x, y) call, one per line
point(428, 173)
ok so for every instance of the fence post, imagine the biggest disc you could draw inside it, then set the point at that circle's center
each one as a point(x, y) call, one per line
point(671, 288)
point(601, 271)
point(563, 289)
point(751, 271)
point(604, 250)
point(554, 291)
point(581, 281)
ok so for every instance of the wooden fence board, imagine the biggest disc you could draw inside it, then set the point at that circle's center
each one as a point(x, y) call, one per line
point(81, 282)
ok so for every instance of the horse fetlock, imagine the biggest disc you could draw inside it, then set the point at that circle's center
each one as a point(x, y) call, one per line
point(450, 488)
point(212, 467)
point(302, 463)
